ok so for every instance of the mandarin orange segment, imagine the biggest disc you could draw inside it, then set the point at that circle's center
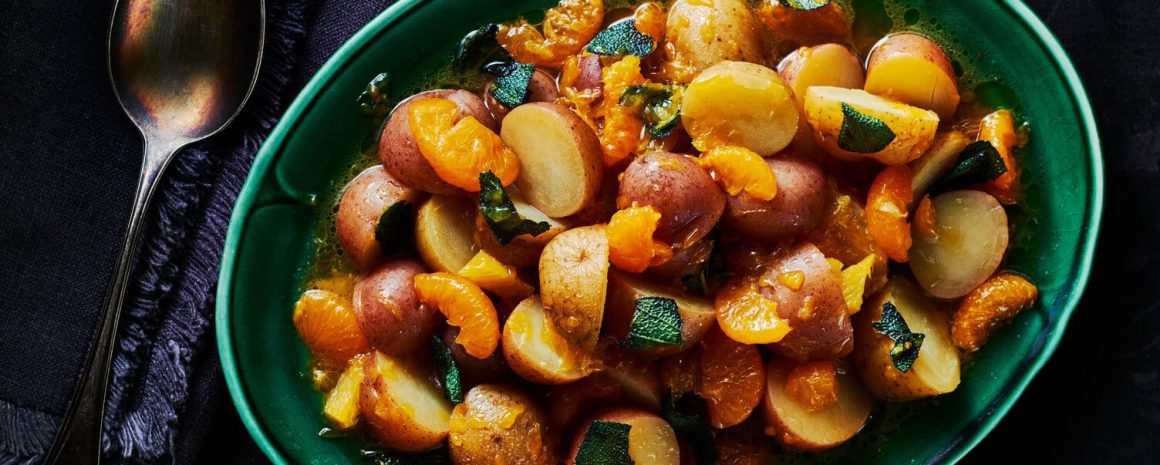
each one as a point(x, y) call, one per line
point(732, 379)
point(460, 151)
point(739, 169)
point(924, 220)
point(854, 279)
point(747, 316)
point(567, 28)
point(998, 128)
point(622, 131)
point(813, 384)
point(887, 211)
point(495, 276)
point(326, 323)
point(466, 306)
point(989, 307)
point(631, 246)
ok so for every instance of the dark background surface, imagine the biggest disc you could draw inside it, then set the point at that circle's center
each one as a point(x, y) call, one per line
point(61, 212)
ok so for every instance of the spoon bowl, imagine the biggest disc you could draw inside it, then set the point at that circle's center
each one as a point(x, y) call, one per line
point(181, 71)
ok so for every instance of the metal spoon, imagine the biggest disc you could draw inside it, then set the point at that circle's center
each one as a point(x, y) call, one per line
point(182, 70)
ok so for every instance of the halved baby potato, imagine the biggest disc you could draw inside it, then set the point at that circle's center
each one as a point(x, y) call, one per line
point(936, 162)
point(852, 124)
point(697, 313)
point(524, 250)
point(740, 104)
point(935, 370)
point(500, 424)
point(651, 441)
point(968, 245)
point(914, 70)
point(444, 232)
point(538, 352)
point(561, 162)
point(574, 282)
point(404, 409)
point(400, 153)
point(700, 34)
point(822, 65)
point(801, 427)
point(363, 202)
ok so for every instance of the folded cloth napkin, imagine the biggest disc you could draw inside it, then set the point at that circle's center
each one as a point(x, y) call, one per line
point(45, 330)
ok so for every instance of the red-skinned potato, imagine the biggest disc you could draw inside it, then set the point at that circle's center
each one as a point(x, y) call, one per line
point(363, 201)
point(697, 314)
point(500, 424)
point(700, 34)
point(475, 371)
point(801, 427)
point(388, 310)
point(400, 153)
point(403, 408)
point(651, 441)
point(816, 309)
point(935, 371)
point(914, 70)
point(561, 162)
point(523, 251)
point(793, 28)
point(541, 88)
point(797, 208)
point(689, 201)
point(591, 71)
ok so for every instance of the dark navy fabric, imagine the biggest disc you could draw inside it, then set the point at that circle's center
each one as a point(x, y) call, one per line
point(69, 158)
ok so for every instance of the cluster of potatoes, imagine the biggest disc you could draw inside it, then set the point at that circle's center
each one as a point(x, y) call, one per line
point(557, 333)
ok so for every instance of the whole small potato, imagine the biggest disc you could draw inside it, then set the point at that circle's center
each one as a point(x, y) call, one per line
point(700, 34)
point(541, 88)
point(797, 208)
point(742, 104)
point(363, 202)
point(816, 309)
point(402, 407)
point(499, 424)
point(400, 153)
point(388, 309)
point(689, 201)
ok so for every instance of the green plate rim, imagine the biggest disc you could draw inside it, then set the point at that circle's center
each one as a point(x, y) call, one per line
point(247, 202)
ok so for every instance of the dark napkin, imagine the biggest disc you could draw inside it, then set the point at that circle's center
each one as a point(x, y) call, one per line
point(70, 163)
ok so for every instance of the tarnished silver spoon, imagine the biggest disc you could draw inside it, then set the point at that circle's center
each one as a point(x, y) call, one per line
point(182, 70)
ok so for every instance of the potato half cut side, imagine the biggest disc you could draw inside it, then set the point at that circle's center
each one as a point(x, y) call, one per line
point(852, 124)
point(798, 427)
point(935, 371)
point(968, 245)
point(742, 104)
point(536, 351)
point(914, 70)
point(574, 281)
point(444, 233)
point(402, 407)
point(561, 163)
point(624, 289)
point(650, 439)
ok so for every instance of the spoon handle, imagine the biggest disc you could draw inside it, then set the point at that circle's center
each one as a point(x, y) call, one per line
point(79, 439)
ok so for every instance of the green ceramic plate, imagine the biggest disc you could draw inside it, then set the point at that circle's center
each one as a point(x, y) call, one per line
point(270, 241)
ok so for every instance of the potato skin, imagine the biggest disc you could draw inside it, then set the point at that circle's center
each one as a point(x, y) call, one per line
point(541, 88)
point(797, 208)
point(388, 414)
point(499, 424)
point(698, 35)
point(624, 289)
point(591, 71)
point(825, 332)
point(689, 201)
point(363, 201)
point(399, 152)
point(388, 309)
